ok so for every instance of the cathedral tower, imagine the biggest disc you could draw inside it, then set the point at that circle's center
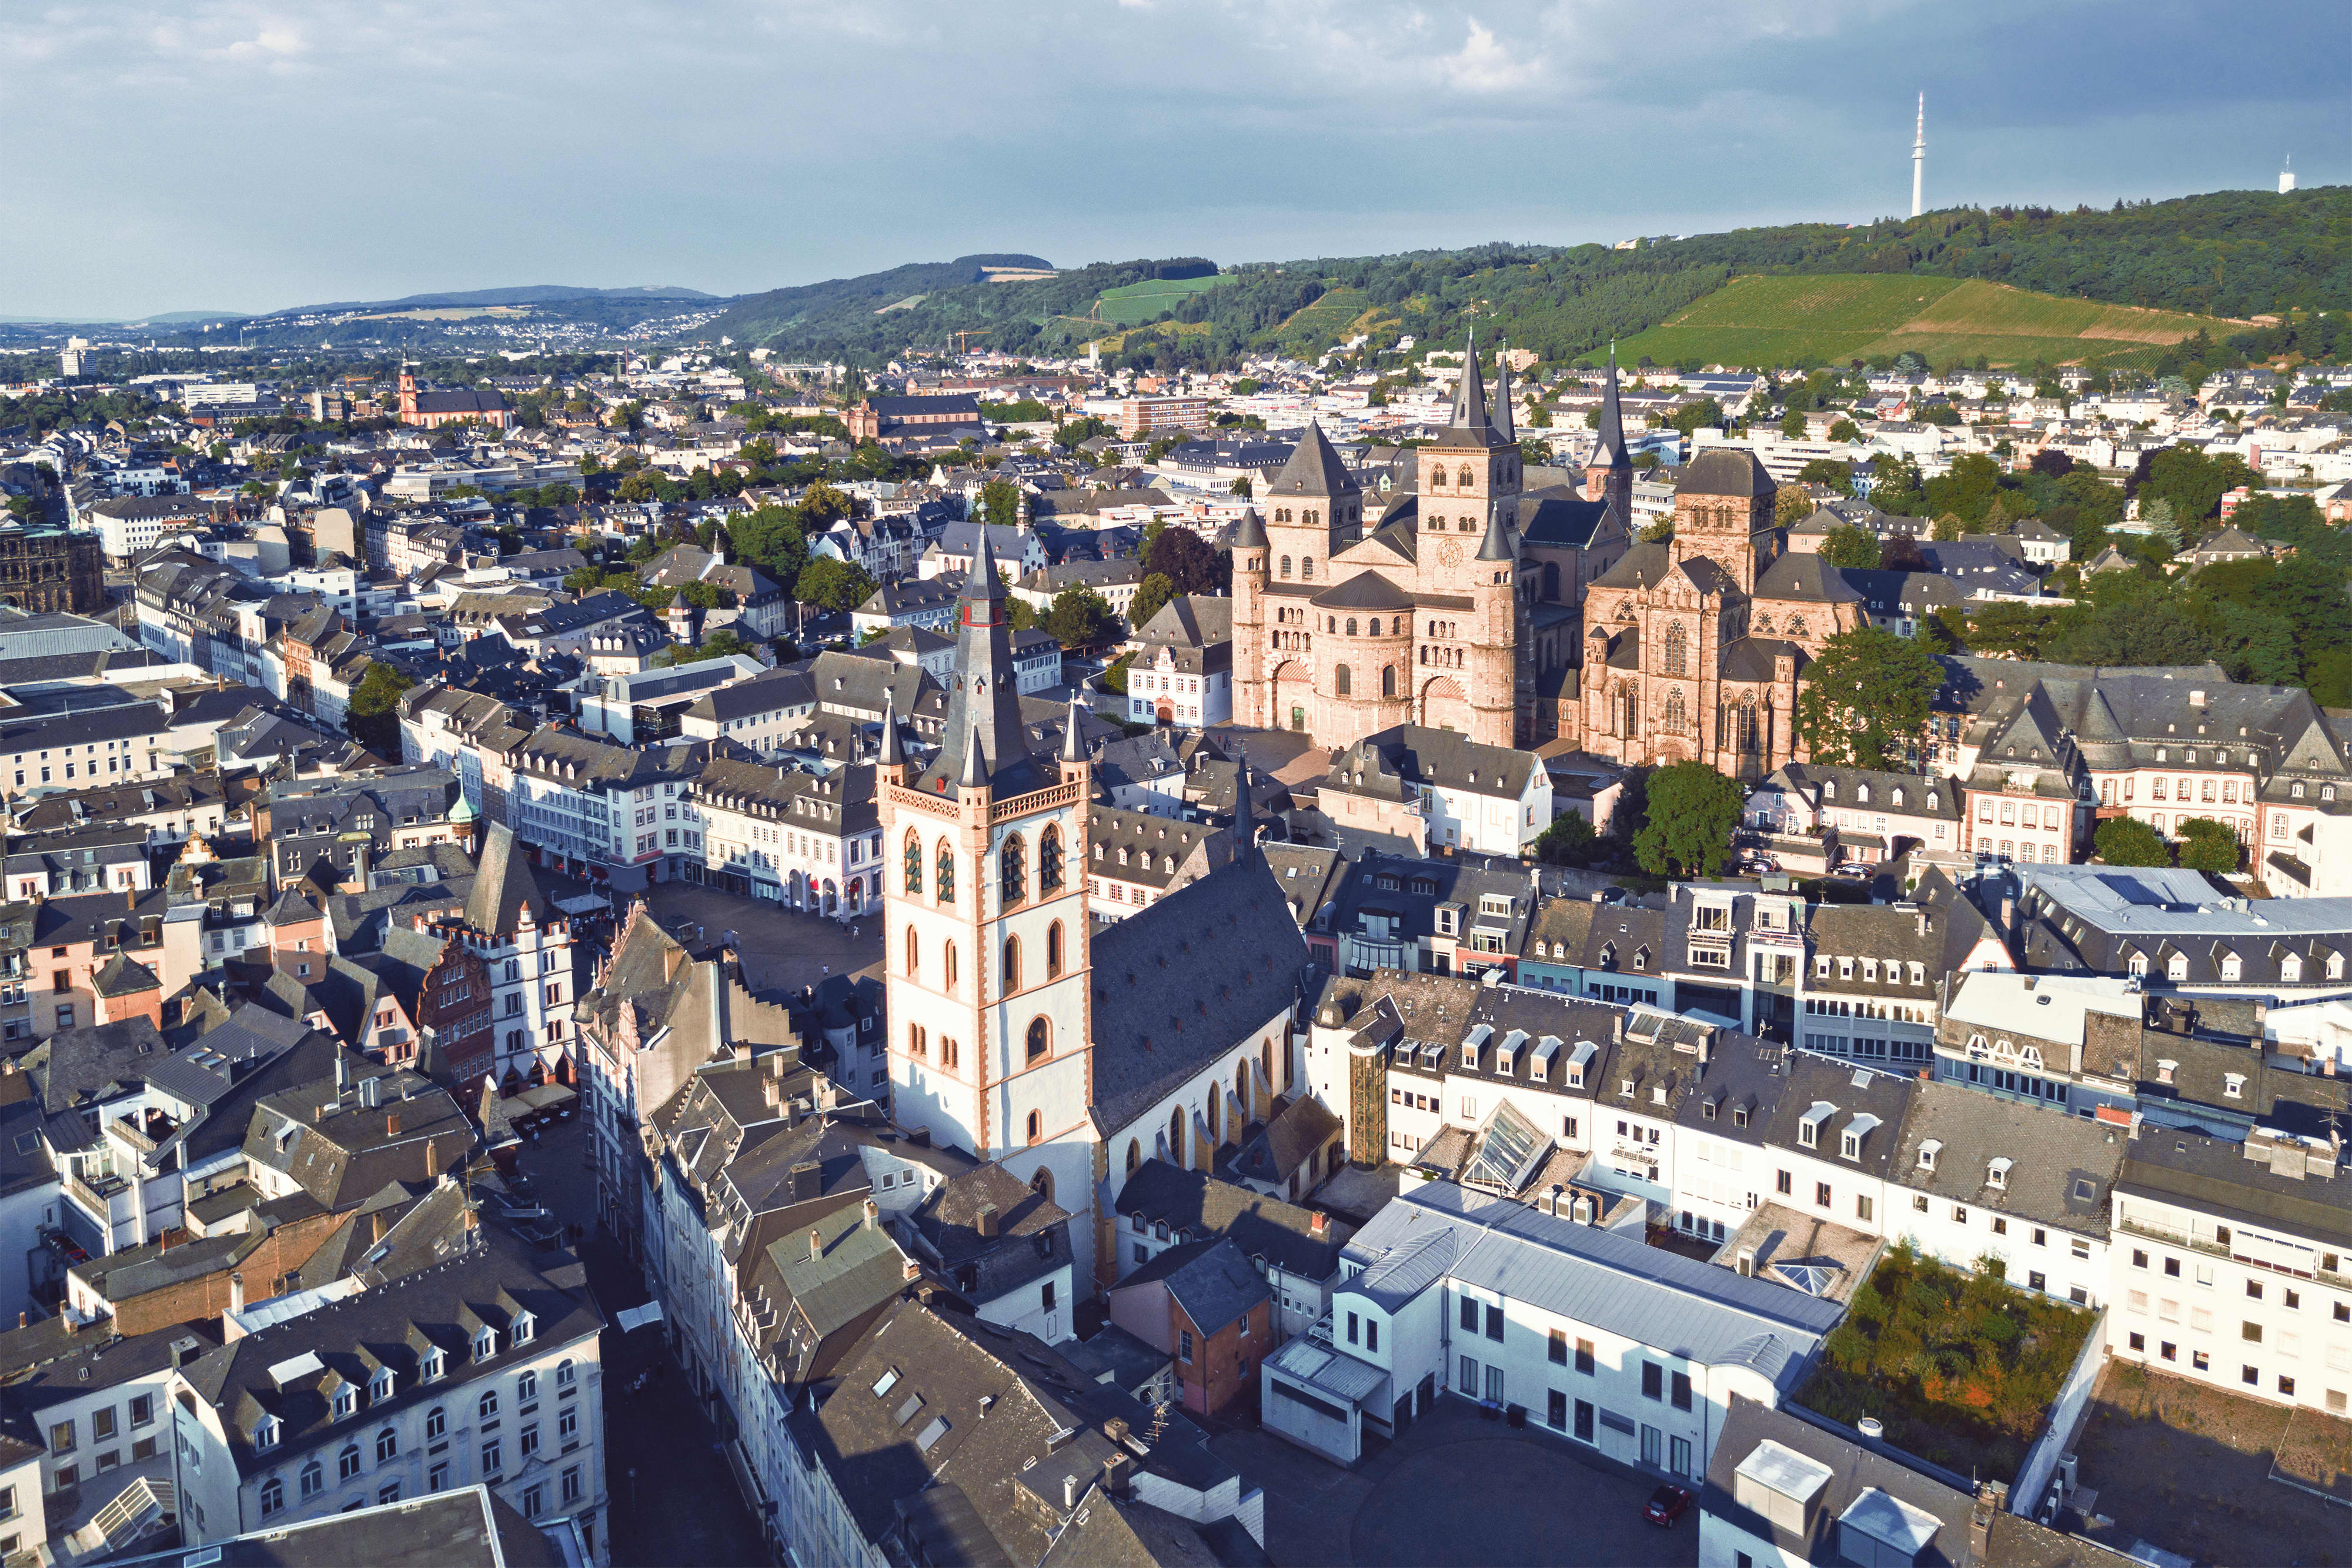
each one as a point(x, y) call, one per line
point(1255, 651)
point(985, 922)
point(1469, 479)
point(1609, 476)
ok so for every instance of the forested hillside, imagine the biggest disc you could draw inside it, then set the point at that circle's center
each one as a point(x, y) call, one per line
point(2231, 254)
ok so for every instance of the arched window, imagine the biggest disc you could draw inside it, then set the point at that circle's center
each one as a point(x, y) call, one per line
point(273, 1496)
point(1241, 1083)
point(1042, 1184)
point(1134, 1156)
point(436, 1423)
point(1388, 680)
point(1053, 950)
point(1677, 712)
point(347, 1463)
point(1462, 478)
point(488, 1409)
point(948, 968)
point(1012, 871)
point(946, 872)
point(1215, 1121)
point(1036, 1126)
point(914, 953)
point(1040, 1037)
point(1012, 965)
point(314, 1480)
point(1307, 569)
point(1049, 861)
point(387, 1445)
point(1176, 1137)
point(1677, 652)
point(914, 858)
point(1286, 566)
point(1266, 1063)
point(1437, 478)
point(1862, 794)
point(1340, 683)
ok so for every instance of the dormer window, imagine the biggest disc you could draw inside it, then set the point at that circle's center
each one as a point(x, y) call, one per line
point(433, 1364)
point(347, 1399)
point(486, 1344)
point(1899, 798)
point(2176, 967)
point(1862, 794)
point(1809, 1128)
point(1931, 801)
point(265, 1435)
point(2294, 790)
point(2230, 966)
point(522, 1328)
point(380, 1386)
point(1928, 1153)
point(1829, 788)
point(2233, 1085)
point(1739, 1115)
point(1625, 1088)
point(1996, 1175)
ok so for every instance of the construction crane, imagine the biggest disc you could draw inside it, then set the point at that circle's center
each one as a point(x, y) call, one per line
point(960, 337)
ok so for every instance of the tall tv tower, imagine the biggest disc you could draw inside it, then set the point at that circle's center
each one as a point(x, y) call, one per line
point(1919, 155)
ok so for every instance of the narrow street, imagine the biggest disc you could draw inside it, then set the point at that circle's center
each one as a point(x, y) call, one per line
point(673, 1500)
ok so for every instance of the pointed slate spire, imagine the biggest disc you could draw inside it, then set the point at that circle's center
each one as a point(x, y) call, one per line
point(1609, 452)
point(975, 762)
point(1245, 808)
point(981, 582)
point(1470, 410)
point(894, 753)
point(1250, 532)
point(1074, 741)
point(1496, 545)
point(1314, 469)
point(984, 699)
point(1504, 425)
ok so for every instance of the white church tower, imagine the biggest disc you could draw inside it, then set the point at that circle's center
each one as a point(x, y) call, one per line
point(986, 927)
point(1919, 156)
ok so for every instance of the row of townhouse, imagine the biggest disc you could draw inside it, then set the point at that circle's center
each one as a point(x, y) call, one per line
point(1558, 1103)
point(2057, 748)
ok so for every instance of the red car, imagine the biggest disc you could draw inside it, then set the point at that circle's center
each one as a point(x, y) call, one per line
point(1667, 1505)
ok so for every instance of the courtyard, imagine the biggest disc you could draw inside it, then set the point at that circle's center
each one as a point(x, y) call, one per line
point(1456, 1489)
point(782, 948)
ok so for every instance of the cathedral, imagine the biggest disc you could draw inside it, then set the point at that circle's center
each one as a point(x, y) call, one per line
point(1520, 617)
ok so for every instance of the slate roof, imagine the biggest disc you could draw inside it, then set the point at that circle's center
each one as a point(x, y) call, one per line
point(2227, 1179)
point(1314, 469)
point(504, 887)
point(1178, 984)
point(1724, 471)
point(1204, 1206)
point(1801, 575)
point(1032, 1240)
point(1211, 1279)
point(2061, 1169)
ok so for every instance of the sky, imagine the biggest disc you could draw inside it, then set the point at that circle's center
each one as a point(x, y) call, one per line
point(219, 155)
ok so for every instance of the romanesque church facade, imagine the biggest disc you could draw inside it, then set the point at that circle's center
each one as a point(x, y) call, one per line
point(1520, 617)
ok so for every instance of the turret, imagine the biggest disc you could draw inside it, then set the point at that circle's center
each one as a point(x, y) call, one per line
point(890, 762)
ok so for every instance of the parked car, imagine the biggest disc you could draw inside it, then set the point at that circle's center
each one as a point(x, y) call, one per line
point(1667, 1504)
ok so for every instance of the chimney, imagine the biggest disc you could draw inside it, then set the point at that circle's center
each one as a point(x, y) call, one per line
point(1069, 1493)
point(988, 1221)
point(342, 1074)
point(236, 1294)
point(807, 1179)
point(817, 1246)
point(1116, 1430)
point(1988, 1500)
point(771, 1092)
point(914, 1270)
point(432, 1157)
point(23, 1318)
point(872, 1212)
point(370, 1090)
point(391, 1121)
point(1318, 1224)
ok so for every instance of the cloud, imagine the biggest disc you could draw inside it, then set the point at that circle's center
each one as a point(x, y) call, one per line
point(1484, 65)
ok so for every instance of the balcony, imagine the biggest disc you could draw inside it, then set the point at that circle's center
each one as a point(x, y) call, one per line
point(97, 1196)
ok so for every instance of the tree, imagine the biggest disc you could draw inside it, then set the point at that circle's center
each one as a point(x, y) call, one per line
point(1687, 828)
point(1692, 416)
point(1153, 593)
point(2128, 841)
point(1838, 476)
point(1081, 618)
point(1792, 424)
point(2208, 845)
point(1791, 505)
point(1845, 430)
point(1569, 841)
point(770, 539)
point(2126, 632)
point(835, 584)
point(1000, 504)
point(2161, 524)
point(2010, 629)
point(1190, 563)
point(1847, 545)
point(372, 715)
point(1864, 700)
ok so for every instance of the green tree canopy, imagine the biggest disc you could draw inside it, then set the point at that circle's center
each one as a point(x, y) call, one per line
point(1000, 504)
point(1190, 563)
point(1151, 596)
point(1569, 841)
point(2010, 629)
point(1848, 545)
point(372, 715)
point(1687, 828)
point(835, 584)
point(2208, 845)
point(1864, 700)
point(2128, 841)
point(1702, 414)
point(1081, 618)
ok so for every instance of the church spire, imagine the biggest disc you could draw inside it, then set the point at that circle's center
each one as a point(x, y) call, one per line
point(1244, 809)
point(984, 698)
point(1504, 425)
point(894, 752)
point(1470, 394)
point(1610, 450)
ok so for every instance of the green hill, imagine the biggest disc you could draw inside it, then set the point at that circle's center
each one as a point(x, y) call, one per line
point(2012, 283)
point(1766, 319)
